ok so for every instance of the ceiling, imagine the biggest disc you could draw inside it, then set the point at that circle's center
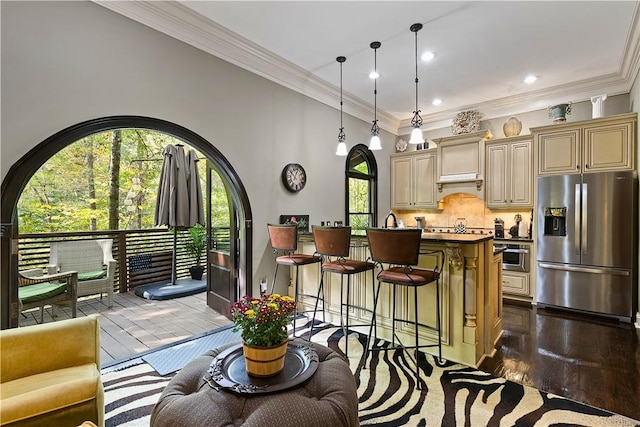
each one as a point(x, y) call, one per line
point(483, 50)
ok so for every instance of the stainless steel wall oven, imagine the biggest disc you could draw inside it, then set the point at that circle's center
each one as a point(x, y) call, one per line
point(515, 257)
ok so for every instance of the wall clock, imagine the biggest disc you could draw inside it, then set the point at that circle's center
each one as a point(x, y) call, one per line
point(294, 177)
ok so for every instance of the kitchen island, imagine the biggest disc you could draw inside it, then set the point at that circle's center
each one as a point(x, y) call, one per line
point(470, 297)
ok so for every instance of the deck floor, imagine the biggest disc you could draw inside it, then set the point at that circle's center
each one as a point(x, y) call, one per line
point(134, 325)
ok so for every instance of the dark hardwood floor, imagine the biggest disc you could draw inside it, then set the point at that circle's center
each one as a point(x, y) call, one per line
point(587, 359)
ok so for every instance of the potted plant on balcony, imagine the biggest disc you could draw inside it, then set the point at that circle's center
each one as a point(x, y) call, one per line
point(195, 246)
point(263, 322)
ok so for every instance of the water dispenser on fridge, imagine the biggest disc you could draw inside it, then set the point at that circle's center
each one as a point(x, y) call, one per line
point(555, 221)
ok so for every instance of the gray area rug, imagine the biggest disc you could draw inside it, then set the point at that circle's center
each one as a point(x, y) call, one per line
point(174, 358)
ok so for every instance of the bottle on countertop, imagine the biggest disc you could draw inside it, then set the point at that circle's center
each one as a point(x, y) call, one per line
point(523, 229)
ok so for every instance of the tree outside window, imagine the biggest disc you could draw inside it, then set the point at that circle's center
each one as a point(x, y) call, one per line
point(361, 189)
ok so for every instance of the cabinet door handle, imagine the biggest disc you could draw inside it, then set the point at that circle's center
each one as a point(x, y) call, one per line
point(586, 166)
point(577, 166)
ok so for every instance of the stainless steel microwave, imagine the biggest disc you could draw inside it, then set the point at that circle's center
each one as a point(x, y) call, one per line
point(515, 257)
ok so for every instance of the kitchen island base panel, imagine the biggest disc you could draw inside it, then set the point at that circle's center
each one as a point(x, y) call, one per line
point(470, 299)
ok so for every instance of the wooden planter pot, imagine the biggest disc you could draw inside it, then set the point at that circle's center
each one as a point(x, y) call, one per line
point(265, 361)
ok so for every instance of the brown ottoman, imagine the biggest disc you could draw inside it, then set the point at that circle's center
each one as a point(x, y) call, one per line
point(328, 398)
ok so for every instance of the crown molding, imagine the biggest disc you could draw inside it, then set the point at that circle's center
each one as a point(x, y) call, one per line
point(631, 60)
point(612, 84)
point(182, 23)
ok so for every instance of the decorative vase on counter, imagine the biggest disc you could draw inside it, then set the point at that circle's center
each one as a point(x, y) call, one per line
point(512, 127)
point(559, 112)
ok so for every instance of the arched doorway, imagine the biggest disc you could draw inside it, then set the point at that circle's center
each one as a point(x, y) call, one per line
point(23, 169)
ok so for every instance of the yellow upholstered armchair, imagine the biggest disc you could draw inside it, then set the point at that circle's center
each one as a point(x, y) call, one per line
point(50, 374)
point(37, 290)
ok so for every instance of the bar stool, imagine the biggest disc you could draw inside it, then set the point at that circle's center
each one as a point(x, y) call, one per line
point(336, 242)
point(400, 249)
point(284, 241)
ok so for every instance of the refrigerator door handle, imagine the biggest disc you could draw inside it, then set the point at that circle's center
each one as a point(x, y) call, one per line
point(584, 218)
point(592, 270)
point(576, 221)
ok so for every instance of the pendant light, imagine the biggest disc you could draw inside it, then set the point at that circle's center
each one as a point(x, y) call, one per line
point(374, 144)
point(342, 147)
point(416, 121)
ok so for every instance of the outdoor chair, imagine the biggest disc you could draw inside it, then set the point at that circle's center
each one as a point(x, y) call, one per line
point(38, 290)
point(93, 261)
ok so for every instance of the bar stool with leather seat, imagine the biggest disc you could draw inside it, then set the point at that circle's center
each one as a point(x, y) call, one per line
point(336, 242)
point(284, 241)
point(400, 249)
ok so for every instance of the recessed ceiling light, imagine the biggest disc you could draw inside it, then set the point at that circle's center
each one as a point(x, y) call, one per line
point(436, 101)
point(427, 56)
point(374, 75)
point(530, 79)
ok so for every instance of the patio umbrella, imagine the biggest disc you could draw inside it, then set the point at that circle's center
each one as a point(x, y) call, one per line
point(179, 198)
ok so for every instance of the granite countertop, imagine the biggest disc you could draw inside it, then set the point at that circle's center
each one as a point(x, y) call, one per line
point(433, 237)
point(456, 237)
point(497, 251)
point(514, 240)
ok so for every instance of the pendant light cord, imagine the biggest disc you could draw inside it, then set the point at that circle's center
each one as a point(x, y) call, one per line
point(416, 57)
point(375, 130)
point(375, 86)
point(341, 135)
point(341, 96)
point(416, 121)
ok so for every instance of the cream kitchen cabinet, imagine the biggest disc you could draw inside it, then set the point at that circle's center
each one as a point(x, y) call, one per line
point(413, 180)
point(516, 284)
point(509, 173)
point(597, 145)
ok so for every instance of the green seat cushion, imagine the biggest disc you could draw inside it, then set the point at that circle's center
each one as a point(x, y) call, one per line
point(92, 275)
point(40, 291)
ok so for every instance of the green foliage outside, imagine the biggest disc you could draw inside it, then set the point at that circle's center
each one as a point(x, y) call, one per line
point(70, 192)
point(359, 204)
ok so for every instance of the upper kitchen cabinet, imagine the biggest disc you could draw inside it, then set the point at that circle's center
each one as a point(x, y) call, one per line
point(413, 180)
point(461, 164)
point(509, 173)
point(597, 145)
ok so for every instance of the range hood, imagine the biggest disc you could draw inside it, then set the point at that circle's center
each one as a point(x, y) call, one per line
point(460, 165)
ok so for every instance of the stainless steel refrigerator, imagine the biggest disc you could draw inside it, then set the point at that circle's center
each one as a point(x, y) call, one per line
point(587, 243)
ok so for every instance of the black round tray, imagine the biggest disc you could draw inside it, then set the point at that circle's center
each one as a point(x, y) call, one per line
point(228, 371)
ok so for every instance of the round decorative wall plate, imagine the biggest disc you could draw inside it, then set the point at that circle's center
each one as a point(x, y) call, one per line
point(401, 145)
point(294, 177)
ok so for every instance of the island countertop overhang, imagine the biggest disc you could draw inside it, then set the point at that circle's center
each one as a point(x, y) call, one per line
point(427, 237)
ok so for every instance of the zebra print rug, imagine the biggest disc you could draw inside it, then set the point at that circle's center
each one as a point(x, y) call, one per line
point(451, 394)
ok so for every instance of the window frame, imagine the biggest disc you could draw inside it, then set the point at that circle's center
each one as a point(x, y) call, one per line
point(371, 177)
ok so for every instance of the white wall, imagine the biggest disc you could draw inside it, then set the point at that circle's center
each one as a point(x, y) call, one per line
point(67, 62)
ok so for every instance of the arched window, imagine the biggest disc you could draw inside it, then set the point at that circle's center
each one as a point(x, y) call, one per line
point(361, 189)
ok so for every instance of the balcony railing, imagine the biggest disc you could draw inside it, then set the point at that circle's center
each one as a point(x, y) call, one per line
point(33, 249)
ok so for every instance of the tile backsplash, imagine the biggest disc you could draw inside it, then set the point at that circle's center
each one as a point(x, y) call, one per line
point(465, 206)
